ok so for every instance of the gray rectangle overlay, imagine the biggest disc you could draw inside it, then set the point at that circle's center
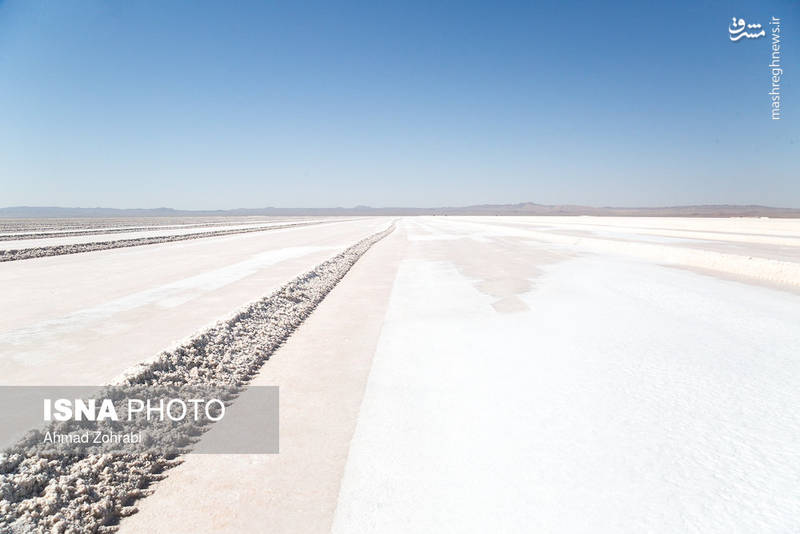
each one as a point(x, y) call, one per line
point(140, 419)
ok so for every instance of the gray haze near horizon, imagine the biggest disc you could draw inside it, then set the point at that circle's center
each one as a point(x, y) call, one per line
point(525, 208)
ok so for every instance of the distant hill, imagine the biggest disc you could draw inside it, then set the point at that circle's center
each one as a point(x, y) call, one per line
point(526, 208)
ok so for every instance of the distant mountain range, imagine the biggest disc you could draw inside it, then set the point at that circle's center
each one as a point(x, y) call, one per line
point(526, 208)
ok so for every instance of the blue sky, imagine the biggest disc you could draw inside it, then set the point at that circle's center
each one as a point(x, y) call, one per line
point(200, 105)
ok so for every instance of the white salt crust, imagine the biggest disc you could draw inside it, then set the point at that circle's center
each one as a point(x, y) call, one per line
point(72, 494)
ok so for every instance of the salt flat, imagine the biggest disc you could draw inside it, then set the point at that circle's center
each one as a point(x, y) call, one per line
point(521, 381)
point(84, 318)
point(44, 241)
point(617, 395)
point(470, 374)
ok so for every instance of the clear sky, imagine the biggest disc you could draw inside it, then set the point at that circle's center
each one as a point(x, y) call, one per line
point(200, 105)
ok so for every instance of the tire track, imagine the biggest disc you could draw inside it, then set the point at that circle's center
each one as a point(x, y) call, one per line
point(59, 250)
point(101, 231)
